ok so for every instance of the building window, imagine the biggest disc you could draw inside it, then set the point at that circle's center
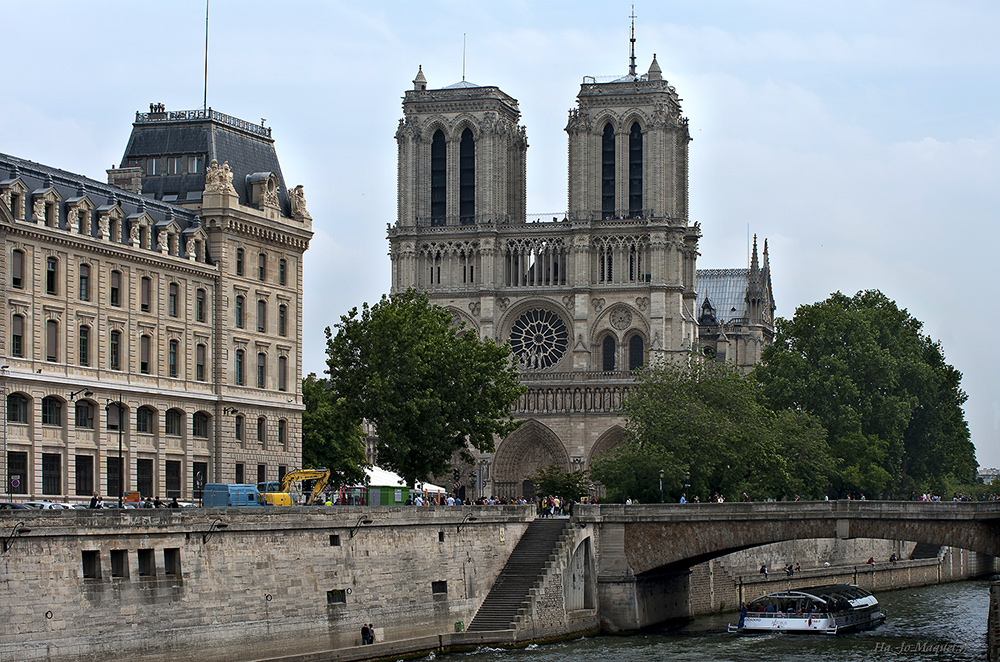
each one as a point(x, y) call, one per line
point(261, 266)
point(439, 179)
point(172, 358)
point(51, 473)
point(144, 476)
point(239, 261)
point(114, 350)
point(144, 418)
point(52, 341)
point(84, 282)
point(467, 178)
point(173, 293)
point(84, 475)
point(116, 289)
point(17, 269)
point(199, 427)
point(282, 272)
point(145, 294)
point(199, 363)
point(113, 414)
point(283, 434)
point(608, 171)
point(17, 466)
point(172, 423)
point(51, 411)
point(51, 275)
point(608, 354)
point(240, 320)
point(144, 352)
point(84, 415)
point(199, 306)
point(240, 428)
point(17, 408)
point(91, 564)
point(240, 368)
point(173, 165)
point(261, 316)
point(83, 345)
point(17, 336)
point(261, 427)
point(194, 164)
point(147, 562)
point(282, 373)
point(261, 370)
point(173, 478)
point(152, 166)
point(635, 352)
point(635, 170)
point(282, 320)
point(239, 472)
point(261, 473)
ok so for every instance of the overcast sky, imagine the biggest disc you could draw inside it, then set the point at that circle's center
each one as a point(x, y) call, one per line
point(859, 138)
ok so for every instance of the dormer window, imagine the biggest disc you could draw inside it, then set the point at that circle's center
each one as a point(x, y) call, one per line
point(174, 166)
point(195, 164)
point(153, 167)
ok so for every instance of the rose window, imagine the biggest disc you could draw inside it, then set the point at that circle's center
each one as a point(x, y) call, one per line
point(539, 339)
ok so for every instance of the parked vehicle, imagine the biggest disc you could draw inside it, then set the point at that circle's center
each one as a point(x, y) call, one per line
point(310, 488)
point(44, 505)
point(217, 495)
point(12, 506)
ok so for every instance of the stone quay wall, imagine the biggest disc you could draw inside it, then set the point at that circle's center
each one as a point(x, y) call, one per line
point(220, 585)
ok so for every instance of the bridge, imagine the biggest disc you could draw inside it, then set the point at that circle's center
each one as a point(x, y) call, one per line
point(642, 552)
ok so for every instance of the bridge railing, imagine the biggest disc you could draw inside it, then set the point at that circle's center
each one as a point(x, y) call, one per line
point(764, 509)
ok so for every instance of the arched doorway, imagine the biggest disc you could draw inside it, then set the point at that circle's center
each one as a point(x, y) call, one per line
point(520, 456)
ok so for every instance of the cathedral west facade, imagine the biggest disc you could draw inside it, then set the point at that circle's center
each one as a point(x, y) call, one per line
point(584, 298)
point(152, 339)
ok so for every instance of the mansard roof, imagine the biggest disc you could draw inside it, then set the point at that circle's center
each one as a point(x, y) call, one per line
point(247, 147)
point(67, 185)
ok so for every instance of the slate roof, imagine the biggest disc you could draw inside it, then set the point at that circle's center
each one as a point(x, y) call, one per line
point(247, 147)
point(725, 289)
point(37, 177)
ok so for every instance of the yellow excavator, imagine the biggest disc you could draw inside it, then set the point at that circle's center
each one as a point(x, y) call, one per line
point(283, 495)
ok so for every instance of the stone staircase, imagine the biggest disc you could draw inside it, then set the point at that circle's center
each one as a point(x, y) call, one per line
point(511, 592)
point(925, 550)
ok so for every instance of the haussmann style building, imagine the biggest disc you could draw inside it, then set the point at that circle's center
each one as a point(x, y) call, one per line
point(153, 331)
point(584, 297)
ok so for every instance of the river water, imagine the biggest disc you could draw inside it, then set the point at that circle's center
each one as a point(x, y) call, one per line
point(944, 623)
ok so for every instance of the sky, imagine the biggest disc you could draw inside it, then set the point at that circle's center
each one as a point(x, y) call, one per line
point(860, 138)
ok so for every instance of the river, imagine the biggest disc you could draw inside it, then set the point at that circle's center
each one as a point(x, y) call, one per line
point(944, 623)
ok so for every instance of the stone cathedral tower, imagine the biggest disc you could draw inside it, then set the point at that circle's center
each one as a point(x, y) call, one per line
point(582, 298)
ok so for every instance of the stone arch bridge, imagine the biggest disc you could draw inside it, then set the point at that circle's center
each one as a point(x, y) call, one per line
point(643, 552)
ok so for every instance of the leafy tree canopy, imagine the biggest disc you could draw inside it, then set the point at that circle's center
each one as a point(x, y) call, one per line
point(428, 388)
point(889, 402)
point(705, 426)
point(330, 439)
point(554, 481)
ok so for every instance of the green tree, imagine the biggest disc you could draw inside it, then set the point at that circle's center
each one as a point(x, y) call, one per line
point(705, 426)
point(554, 481)
point(429, 389)
point(330, 438)
point(889, 402)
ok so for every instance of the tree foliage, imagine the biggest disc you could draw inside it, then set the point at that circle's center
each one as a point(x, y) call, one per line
point(705, 426)
point(427, 387)
point(889, 402)
point(554, 481)
point(330, 439)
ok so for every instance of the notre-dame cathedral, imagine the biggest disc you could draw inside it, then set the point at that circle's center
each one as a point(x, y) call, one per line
point(585, 298)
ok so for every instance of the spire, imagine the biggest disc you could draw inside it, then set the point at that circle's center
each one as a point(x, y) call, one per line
point(419, 82)
point(754, 266)
point(631, 66)
point(654, 70)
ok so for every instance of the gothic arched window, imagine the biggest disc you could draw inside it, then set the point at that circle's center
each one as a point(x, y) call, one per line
point(635, 170)
point(608, 354)
point(467, 179)
point(608, 171)
point(439, 178)
point(635, 352)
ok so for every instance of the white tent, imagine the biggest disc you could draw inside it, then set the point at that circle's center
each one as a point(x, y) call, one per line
point(379, 477)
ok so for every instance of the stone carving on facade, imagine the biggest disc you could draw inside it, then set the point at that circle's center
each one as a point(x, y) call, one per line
point(642, 302)
point(502, 303)
point(133, 233)
point(568, 300)
point(297, 198)
point(598, 304)
point(621, 318)
point(579, 122)
point(102, 226)
point(474, 308)
point(219, 179)
point(408, 129)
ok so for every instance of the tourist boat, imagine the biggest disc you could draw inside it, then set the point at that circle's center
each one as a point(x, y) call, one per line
point(828, 609)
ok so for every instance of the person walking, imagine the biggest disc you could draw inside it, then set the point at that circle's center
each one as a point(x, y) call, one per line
point(364, 634)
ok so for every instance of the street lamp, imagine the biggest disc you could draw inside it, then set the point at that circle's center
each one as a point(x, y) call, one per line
point(121, 465)
point(661, 485)
point(4, 372)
